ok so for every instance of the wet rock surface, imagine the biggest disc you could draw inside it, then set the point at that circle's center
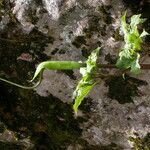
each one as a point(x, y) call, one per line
point(115, 114)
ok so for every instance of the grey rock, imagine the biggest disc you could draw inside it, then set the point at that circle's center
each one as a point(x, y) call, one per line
point(21, 10)
point(52, 6)
point(109, 121)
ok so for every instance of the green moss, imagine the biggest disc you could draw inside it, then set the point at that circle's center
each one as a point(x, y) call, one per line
point(141, 143)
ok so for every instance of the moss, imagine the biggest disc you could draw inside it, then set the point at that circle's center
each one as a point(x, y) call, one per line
point(1, 3)
point(141, 143)
point(9, 141)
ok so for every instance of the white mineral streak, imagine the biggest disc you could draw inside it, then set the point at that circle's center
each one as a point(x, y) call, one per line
point(70, 3)
point(52, 6)
point(19, 10)
point(80, 26)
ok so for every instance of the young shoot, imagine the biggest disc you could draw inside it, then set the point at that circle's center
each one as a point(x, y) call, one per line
point(87, 82)
point(129, 55)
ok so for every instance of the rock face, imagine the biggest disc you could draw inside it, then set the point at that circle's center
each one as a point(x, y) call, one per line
point(69, 30)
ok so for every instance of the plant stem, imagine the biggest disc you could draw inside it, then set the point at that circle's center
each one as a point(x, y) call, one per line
point(109, 66)
point(22, 86)
point(77, 66)
point(145, 66)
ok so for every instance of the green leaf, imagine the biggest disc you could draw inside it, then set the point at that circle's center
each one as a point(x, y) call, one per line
point(135, 66)
point(144, 33)
point(124, 24)
point(87, 82)
point(82, 93)
point(135, 20)
point(39, 69)
point(129, 56)
point(123, 63)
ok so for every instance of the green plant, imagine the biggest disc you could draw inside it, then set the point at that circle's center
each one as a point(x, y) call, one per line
point(87, 82)
point(56, 65)
point(128, 58)
point(129, 55)
point(139, 142)
point(88, 70)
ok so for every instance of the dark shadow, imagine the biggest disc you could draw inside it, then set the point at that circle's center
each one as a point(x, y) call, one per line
point(123, 89)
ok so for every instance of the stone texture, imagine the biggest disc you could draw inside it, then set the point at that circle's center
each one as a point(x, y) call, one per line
point(77, 27)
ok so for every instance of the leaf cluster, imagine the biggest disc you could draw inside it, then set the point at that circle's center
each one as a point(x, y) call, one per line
point(87, 82)
point(129, 55)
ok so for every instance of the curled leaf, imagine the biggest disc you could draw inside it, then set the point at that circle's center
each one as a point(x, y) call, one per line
point(87, 82)
point(56, 65)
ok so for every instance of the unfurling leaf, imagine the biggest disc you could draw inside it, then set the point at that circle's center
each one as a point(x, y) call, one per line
point(87, 82)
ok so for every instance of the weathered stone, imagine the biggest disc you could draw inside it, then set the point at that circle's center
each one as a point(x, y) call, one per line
point(70, 30)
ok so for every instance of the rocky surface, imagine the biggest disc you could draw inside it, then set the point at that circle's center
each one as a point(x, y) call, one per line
point(34, 31)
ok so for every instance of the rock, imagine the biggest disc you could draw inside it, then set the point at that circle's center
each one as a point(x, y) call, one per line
point(53, 7)
point(70, 30)
point(25, 57)
point(21, 11)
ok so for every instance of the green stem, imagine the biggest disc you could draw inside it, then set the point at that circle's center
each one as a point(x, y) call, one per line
point(109, 66)
point(64, 66)
point(22, 86)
